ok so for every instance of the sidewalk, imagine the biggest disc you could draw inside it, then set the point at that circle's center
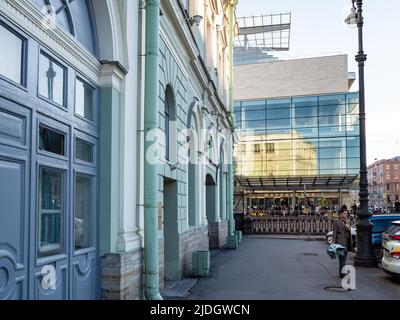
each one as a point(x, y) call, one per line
point(269, 267)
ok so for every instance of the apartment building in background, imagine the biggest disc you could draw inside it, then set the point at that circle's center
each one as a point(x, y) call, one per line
point(384, 182)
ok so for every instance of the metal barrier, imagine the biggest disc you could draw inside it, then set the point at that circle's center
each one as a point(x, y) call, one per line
point(289, 225)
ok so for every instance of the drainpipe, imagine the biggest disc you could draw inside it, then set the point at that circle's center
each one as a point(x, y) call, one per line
point(232, 239)
point(151, 267)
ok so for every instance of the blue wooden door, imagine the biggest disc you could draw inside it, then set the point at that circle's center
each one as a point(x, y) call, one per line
point(14, 200)
point(48, 178)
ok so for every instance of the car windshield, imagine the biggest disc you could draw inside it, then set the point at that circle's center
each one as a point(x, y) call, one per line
point(394, 229)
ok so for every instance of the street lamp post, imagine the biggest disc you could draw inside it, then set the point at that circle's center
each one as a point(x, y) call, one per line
point(365, 256)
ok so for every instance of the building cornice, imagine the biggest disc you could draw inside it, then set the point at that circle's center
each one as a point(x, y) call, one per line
point(112, 75)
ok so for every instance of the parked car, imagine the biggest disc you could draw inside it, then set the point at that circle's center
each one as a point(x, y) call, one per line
point(381, 223)
point(391, 250)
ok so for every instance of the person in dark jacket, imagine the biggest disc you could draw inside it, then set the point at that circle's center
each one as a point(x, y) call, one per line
point(342, 236)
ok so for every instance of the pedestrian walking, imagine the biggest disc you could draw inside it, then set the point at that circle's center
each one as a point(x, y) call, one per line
point(342, 236)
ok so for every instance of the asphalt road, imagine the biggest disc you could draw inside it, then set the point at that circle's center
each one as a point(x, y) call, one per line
point(269, 268)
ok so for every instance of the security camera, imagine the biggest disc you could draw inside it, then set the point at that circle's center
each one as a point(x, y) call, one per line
point(196, 19)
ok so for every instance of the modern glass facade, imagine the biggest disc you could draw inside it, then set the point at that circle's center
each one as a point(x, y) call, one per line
point(298, 136)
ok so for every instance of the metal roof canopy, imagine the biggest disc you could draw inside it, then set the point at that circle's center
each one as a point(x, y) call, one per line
point(267, 32)
point(296, 183)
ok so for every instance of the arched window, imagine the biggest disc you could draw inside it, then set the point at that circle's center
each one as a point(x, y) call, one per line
point(74, 17)
point(170, 124)
point(193, 174)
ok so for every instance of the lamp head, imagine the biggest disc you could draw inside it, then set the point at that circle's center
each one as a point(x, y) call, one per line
point(352, 18)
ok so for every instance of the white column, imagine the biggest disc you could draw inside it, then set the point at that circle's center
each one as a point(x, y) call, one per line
point(128, 237)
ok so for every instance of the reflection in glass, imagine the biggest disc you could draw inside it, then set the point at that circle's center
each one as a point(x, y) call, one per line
point(302, 102)
point(279, 124)
point(332, 143)
point(305, 112)
point(257, 124)
point(337, 164)
point(278, 104)
point(84, 100)
point(238, 112)
point(353, 163)
point(332, 131)
point(310, 136)
point(307, 132)
point(305, 123)
point(353, 152)
point(84, 151)
point(352, 97)
point(83, 211)
point(332, 110)
point(332, 120)
point(332, 153)
point(279, 113)
point(257, 105)
point(254, 115)
point(50, 212)
point(11, 55)
point(51, 141)
point(353, 142)
point(332, 100)
point(51, 80)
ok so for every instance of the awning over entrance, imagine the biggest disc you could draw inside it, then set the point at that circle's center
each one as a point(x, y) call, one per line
point(296, 183)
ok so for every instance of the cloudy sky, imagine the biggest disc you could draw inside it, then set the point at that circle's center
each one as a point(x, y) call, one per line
point(318, 29)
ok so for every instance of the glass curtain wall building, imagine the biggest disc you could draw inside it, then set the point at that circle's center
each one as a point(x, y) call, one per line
point(297, 123)
point(285, 143)
point(298, 136)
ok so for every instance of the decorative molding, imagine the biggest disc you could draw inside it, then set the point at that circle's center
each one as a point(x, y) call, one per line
point(112, 76)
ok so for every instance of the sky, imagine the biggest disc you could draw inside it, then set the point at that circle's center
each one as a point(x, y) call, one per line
point(318, 29)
